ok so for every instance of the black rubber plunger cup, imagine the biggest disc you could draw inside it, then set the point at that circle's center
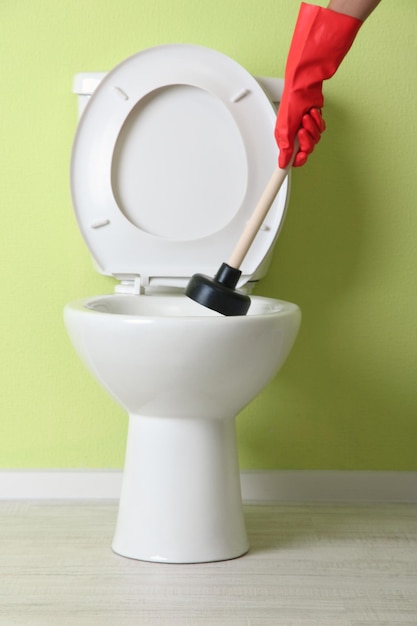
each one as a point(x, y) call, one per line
point(219, 293)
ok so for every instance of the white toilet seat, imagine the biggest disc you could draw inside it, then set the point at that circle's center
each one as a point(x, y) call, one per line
point(171, 156)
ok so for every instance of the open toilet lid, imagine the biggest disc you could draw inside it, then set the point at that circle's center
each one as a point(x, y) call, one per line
point(170, 158)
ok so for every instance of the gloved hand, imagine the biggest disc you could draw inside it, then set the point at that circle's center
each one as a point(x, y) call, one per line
point(320, 42)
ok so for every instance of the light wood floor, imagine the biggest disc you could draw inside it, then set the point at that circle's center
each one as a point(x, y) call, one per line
point(308, 566)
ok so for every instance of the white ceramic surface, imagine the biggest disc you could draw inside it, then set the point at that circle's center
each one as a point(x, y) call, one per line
point(171, 155)
point(182, 373)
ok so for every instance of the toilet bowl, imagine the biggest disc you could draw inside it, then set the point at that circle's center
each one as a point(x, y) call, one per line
point(182, 374)
point(157, 200)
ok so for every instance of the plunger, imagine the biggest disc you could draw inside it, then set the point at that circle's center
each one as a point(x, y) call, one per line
point(219, 293)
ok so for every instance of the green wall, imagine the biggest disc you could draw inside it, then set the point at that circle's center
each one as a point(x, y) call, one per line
point(347, 397)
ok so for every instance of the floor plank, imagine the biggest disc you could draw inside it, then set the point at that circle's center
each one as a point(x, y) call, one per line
point(316, 565)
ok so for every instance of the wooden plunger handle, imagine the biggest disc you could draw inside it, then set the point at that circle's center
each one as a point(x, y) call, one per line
point(259, 214)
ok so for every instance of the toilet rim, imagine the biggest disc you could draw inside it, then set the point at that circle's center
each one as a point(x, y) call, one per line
point(98, 211)
point(130, 309)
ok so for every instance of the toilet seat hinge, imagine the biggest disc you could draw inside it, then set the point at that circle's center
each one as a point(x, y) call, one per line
point(133, 285)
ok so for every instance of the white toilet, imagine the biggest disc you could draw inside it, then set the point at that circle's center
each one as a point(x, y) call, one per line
point(171, 155)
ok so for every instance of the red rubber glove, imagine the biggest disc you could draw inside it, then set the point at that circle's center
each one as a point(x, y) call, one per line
point(320, 42)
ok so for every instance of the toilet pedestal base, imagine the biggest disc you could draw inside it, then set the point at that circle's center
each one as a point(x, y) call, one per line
point(181, 499)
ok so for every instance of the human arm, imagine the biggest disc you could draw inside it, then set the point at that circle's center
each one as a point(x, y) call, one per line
point(321, 39)
point(361, 9)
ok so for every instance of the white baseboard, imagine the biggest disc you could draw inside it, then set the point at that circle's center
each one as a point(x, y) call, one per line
point(258, 486)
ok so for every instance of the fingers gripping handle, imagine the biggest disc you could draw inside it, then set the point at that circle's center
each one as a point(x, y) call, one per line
point(259, 214)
